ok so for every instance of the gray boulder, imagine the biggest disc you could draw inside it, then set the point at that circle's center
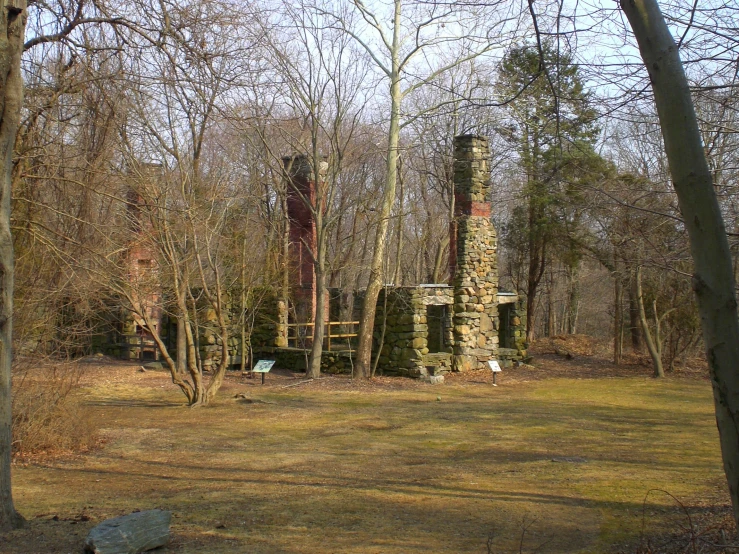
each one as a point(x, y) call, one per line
point(130, 534)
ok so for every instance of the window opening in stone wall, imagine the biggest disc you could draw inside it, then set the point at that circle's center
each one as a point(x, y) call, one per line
point(504, 325)
point(435, 319)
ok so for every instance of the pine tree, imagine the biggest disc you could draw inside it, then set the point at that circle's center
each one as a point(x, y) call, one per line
point(551, 125)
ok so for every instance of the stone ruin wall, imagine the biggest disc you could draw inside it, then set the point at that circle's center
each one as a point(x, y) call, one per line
point(403, 343)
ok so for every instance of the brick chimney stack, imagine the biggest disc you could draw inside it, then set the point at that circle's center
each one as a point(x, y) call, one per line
point(301, 188)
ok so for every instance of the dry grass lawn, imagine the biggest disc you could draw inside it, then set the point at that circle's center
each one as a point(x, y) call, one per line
point(395, 466)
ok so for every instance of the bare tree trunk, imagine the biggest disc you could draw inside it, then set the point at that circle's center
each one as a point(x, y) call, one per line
point(285, 265)
point(242, 309)
point(181, 346)
point(653, 344)
point(551, 328)
point(11, 98)
point(367, 318)
point(713, 279)
point(634, 324)
point(177, 379)
point(618, 320)
point(439, 259)
point(573, 303)
point(536, 268)
point(242, 337)
point(319, 323)
point(399, 226)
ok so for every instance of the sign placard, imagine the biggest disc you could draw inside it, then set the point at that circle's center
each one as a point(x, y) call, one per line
point(263, 366)
point(494, 366)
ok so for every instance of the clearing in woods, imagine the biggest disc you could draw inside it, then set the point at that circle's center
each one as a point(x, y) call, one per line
point(569, 450)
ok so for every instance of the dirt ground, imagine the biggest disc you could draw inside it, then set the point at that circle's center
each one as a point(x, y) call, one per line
point(572, 453)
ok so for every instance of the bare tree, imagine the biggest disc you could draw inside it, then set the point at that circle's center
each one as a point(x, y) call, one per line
point(12, 29)
point(400, 43)
point(713, 279)
point(176, 94)
point(325, 97)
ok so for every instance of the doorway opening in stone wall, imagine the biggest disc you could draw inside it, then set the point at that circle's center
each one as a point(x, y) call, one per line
point(436, 319)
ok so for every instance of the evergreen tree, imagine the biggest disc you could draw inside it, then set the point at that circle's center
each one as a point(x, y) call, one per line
point(551, 126)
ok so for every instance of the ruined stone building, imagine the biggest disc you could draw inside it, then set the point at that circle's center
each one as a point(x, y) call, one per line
point(419, 330)
point(460, 326)
point(126, 335)
point(423, 329)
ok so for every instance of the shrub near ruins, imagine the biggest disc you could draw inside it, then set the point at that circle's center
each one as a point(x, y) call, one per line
point(48, 418)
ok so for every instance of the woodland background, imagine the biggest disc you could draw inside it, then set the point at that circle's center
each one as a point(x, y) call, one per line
point(214, 94)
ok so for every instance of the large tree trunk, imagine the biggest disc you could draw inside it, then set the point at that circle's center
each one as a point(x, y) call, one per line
point(369, 307)
point(713, 279)
point(319, 323)
point(320, 207)
point(11, 99)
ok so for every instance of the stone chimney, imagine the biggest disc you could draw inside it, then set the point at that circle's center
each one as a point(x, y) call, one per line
point(473, 257)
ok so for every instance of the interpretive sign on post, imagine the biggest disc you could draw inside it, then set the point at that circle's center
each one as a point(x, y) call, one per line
point(263, 366)
point(495, 368)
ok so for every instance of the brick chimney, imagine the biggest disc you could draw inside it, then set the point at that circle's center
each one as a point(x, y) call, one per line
point(301, 188)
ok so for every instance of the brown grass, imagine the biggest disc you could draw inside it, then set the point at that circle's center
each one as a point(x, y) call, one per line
point(569, 448)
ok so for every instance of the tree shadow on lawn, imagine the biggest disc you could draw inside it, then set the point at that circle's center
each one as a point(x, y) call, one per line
point(133, 403)
point(294, 513)
point(326, 480)
point(533, 430)
point(396, 473)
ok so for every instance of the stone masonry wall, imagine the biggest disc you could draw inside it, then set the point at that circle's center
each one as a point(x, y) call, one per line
point(405, 340)
point(475, 278)
point(269, 326)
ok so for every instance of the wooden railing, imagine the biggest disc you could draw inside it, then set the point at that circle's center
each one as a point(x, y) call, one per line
point(303, 332)
point(140, 345)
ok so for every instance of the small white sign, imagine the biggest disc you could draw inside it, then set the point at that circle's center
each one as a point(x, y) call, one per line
point(494, 366)
point(263, 366)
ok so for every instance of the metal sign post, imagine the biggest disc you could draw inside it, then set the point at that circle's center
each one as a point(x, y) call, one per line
point(263, 367)
point(495, 368)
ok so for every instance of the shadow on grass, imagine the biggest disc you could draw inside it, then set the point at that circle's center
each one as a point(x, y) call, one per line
point(405, 473)
point(132, 403)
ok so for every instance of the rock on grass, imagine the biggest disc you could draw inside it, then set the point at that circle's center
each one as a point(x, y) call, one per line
point(130, 534)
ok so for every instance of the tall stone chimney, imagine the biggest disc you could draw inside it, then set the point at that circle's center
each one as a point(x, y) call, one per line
point(473, 257)
point(301, 187)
